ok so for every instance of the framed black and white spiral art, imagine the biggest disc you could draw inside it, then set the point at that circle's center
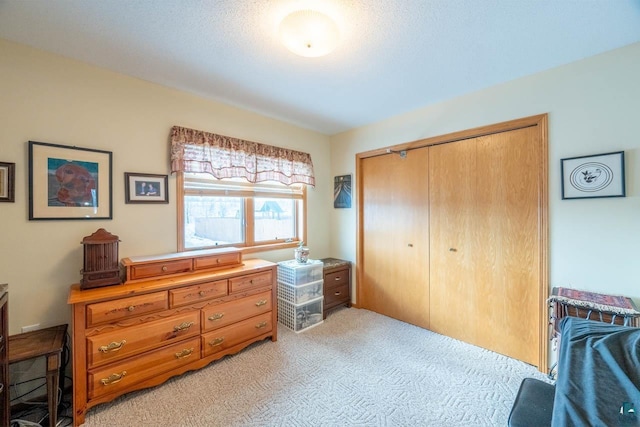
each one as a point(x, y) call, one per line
point(600, 175)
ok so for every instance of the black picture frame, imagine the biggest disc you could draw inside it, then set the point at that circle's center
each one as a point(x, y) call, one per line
point(342, 190)
point(7, 182)
point(593, 176)
point(146, 188)
point(69, 182)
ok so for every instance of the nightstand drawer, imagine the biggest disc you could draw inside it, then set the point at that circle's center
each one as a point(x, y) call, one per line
point(336, 294)
point(118, 376)
point(219, 315)
point(123, 342)
point(336, 279)
point(123, 308)
point(195, 293)
point(251, 281)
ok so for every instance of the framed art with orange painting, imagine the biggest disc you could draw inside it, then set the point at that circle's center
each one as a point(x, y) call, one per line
point(68, 182)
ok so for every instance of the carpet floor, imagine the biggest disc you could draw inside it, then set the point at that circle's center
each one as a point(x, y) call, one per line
point(358, 368)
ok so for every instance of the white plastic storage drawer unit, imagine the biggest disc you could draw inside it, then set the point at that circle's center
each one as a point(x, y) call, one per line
point(301, 293)
point(295, 273)
point(299, 317)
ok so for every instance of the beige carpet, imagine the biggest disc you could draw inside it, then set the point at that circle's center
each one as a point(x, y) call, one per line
point(358, 368)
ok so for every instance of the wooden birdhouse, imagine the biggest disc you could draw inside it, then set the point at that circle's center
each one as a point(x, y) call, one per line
point(101, 263)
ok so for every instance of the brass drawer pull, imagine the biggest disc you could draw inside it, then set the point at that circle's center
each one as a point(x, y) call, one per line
point(131, 307)
point(114, 346)
point(164, 268)
point(113, 378)
point(182, 326)
point(184, 353)
point(261, 303)
point(261, 325)
point(216, 316)
point(202, 293)
point(337, 293)
point(218, 260)
point(251, 281)
point(337, 279)
point(216, 342)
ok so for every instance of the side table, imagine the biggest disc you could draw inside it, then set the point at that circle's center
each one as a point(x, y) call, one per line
point(48, 342)
point(337, 284)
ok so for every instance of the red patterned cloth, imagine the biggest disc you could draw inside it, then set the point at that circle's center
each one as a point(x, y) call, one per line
point(610, 300)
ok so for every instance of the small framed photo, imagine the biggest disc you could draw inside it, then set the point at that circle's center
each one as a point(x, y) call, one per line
point(145, 188)
point(342, 191)
point(68, 182)
point(600, 175)
point(7, 182)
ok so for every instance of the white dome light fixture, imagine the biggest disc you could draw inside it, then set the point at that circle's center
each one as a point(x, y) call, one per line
point(309, 33)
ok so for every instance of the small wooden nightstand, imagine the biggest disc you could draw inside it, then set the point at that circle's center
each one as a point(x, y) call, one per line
point(337, 284)
point(49, 343)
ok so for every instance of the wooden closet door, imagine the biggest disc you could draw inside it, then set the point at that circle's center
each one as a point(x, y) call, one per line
point(395, 236)
point(452, 185)
point(508, 254)
point(485, 242)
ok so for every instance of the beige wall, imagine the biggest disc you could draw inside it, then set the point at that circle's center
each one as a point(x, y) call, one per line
point(593, 107)
point(49, 98)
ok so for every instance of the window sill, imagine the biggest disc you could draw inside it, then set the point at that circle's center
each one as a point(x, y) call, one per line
point(269, 247)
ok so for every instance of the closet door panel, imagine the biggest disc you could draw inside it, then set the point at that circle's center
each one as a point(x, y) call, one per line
point(395, 236)
point(508, 253)
point(452, 183)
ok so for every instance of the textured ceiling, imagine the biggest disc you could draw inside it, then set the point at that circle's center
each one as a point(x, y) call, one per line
point(395, 55)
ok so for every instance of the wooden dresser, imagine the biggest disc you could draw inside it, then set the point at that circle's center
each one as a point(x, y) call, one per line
point(337, 284)
point(174, 313)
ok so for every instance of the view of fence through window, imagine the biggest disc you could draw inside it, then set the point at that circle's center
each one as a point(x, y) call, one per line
point(219, 220)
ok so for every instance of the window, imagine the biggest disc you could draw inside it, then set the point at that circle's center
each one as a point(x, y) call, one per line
point(233, 212)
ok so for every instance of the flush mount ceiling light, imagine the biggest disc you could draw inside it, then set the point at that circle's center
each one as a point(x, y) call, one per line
point(309, 33)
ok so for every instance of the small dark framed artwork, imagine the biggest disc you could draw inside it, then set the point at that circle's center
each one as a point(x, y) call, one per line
point(599, 175)
point(145, 188)
point(7, 182)
point(67, 182)
point(342, 191)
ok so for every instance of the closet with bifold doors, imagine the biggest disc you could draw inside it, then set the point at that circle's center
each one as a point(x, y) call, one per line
point(452, 236)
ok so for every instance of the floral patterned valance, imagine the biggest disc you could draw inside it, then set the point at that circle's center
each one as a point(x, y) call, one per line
point(225, 157)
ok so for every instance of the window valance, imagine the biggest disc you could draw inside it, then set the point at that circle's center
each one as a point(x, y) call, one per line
point(225, 157)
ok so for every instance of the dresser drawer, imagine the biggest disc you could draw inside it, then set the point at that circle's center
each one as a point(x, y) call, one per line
point(336, 294)
point(117, 376)
point(250, 281)
point(224, 338)
point(116, 345)
point(220, 260)
point(336, 278)
point(155, 269)
point(224, 314)
point(123, 308)
point(195, 293)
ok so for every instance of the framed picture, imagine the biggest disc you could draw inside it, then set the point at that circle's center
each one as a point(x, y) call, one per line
point(68, 182)
point(7, 181)
point(145, 188)
point(600, 175)
point(342, 191)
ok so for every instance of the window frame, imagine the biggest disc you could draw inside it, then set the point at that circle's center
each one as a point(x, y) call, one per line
point(248, 246)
